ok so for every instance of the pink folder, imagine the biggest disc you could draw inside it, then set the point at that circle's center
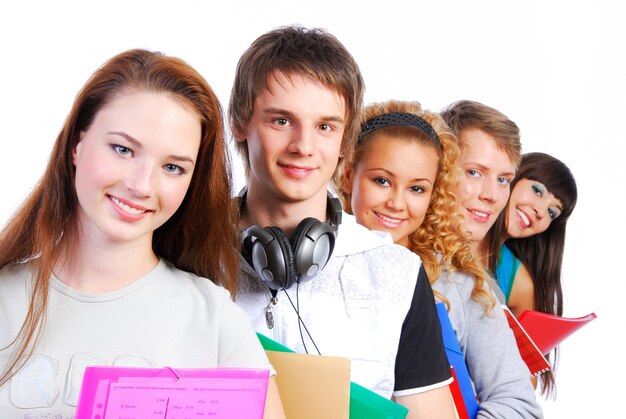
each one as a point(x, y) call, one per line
point(146, 393)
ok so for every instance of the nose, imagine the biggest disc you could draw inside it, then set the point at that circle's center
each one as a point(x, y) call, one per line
point(301, 141)
point(488, 191)
point(396, 199)
point(141, 179)
point(541, 209)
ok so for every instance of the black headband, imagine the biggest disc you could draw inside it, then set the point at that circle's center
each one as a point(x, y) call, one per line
point(403, 119)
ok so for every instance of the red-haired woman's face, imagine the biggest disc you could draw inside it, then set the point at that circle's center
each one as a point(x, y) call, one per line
point(134, 165)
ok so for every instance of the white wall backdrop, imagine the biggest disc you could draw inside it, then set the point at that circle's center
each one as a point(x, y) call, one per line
point(556, 68)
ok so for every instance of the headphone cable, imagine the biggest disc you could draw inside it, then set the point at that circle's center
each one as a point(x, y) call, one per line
point(300, 321)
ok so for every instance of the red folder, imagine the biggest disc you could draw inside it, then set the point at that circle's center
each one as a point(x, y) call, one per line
point(457, 396)
point(531, 355)
point(547, 330)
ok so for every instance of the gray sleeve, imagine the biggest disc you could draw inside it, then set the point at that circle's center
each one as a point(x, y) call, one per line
point(501, 379)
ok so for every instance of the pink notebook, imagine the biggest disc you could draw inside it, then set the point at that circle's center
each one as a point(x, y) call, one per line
point(146, 393)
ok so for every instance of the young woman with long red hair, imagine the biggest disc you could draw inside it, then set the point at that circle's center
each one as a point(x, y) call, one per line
point(107, 260)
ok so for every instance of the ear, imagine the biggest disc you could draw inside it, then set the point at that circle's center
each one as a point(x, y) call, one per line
point(76, 148)
point(348, 177)
point(239, 136)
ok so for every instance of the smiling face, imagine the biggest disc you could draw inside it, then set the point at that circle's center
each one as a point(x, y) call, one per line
point(391, 185)
point(134, 165)
point(485, 184)
point(294, 138)
point(532, 207)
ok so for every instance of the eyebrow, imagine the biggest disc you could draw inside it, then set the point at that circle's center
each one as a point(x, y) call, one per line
point(393, 174)
point(138, 144)
point(291, 115)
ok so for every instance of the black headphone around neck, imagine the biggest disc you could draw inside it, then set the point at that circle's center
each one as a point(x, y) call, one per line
point(279, 262)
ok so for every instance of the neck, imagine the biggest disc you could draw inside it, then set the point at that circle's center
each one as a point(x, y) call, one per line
point(261, 211)
point(94, 266)
point(480, 252)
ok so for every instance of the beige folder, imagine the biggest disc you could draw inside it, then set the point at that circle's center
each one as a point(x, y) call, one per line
point(312, 386)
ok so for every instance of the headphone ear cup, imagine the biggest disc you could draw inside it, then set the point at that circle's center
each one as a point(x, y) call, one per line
point(313, 243)
point(269, 252)
point(284, 258)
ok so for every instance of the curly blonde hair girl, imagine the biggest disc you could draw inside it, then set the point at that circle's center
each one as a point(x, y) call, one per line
point(438, 241)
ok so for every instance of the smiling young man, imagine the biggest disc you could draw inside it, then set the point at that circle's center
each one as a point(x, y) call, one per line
point(294, 110)
point(490, 154)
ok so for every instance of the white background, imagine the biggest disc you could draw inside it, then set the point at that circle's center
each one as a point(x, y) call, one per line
point(556, 68)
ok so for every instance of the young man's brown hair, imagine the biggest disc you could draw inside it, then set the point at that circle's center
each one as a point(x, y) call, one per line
point(294, 50)
point(466, 114)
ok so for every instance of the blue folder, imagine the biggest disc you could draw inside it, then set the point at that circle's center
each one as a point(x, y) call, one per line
point(456, 358)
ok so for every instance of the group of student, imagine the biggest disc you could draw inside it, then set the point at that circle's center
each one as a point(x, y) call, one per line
point(107, 260)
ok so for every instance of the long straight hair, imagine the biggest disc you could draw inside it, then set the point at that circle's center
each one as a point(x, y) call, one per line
point(541, 254)
point(201, 236)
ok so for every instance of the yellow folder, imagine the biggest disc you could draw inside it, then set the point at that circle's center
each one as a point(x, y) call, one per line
point(312, 386)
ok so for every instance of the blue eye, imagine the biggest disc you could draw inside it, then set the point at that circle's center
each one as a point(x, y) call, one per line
point(538, 190)
point(472, 172)
point(553, 214)
point(174, 169)
point(121, 150)
point(503, 181)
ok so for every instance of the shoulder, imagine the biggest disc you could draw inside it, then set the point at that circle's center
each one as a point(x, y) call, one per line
point(15, 275)
point(388, 264)
point(182, 282)
point(372, 248)
point(354, 238)
point(455, 283)
point(523, 291)
point(15, 269)
point(15, 290)
point(506, 252)
point(507, 263)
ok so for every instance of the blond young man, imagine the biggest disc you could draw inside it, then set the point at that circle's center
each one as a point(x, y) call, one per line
point(490, 154)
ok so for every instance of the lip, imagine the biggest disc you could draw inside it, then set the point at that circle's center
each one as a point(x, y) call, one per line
point(523, 219)
point(478, 215)
point(296, 171)
point(128, 210)
point(388, 221)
